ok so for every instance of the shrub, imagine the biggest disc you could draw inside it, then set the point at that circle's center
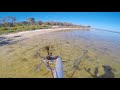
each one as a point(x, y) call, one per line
point(4, 28)
point(14, 28)
point(23, 27)
point(33, 28)
point(27, 28)
point(9, 31)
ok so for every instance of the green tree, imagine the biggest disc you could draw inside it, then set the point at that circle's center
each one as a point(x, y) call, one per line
point(4, 20)
point(13, 20)
point(31, 21)
point(40, 22)
point(8, 21)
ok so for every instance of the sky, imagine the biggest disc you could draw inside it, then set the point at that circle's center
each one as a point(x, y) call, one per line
point(100, 20)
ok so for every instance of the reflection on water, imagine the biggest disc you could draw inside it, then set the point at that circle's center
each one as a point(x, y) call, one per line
point(102, 59)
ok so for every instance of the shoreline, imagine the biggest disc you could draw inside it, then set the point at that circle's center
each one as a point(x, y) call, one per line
point(36, 32)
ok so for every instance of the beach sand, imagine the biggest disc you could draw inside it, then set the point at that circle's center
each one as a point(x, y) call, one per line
point(28, 34)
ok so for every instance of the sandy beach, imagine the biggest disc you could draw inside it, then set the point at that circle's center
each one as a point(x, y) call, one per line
point(28, 34)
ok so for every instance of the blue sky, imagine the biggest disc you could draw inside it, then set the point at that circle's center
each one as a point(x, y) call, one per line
point(102, 20)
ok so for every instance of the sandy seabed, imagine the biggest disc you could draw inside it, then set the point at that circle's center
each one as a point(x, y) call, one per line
point(17, 53)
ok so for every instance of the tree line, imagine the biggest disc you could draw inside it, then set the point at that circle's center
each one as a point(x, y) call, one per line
point(10, 21)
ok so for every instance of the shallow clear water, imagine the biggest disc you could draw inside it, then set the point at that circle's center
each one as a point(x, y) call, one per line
point(103, 49)
point(103, 46)
point(98, 39)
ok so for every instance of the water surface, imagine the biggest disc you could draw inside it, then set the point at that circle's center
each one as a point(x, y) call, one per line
point(102, 60)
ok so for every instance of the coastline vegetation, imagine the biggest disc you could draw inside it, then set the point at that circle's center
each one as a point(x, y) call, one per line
point(9, 24)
